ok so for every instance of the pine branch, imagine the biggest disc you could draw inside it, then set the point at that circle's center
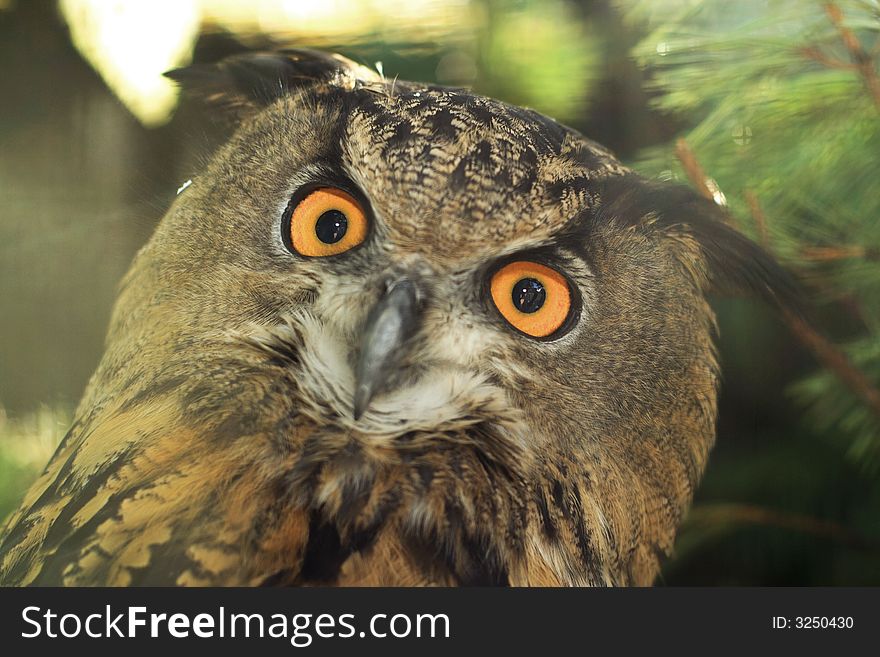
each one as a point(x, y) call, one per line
point(835, 360)
point(705, 185)
point(840, 252)
point(862, 60)
point(818, 56)
point(692, 168)
point(759, 217)
point(825, 352)
point(729, 514)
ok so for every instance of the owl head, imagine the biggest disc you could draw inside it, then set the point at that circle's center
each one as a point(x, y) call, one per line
point(386, 303)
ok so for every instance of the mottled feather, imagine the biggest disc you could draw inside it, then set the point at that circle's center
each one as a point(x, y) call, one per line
point(216, 443)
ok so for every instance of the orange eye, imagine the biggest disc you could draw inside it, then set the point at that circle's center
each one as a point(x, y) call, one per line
point(326, 222)
point(533, 298)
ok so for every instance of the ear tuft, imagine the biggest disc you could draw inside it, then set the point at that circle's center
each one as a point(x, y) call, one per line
point(244, 83)
point(734, 264)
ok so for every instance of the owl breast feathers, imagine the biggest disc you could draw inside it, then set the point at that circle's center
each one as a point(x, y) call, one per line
point(394, 334)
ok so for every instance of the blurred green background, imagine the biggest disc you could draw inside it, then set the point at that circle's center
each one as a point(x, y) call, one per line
point(94, 144)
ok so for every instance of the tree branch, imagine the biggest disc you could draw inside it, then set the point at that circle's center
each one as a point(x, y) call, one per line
point(839, 252)
point(707, 187)
point(828, 355)
point(692, 168)
point(729, 514)
point(817, 55)
point(759, 217)
point(835, 360)
point(862, 60)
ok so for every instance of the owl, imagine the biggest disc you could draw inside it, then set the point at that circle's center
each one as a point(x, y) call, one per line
point(394, 334)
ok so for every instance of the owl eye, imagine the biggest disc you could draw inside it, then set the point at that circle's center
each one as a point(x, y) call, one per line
point(326, 222)
point(533, 298)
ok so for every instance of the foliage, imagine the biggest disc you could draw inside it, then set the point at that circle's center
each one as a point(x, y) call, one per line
point(782, 104)
point(539, 55)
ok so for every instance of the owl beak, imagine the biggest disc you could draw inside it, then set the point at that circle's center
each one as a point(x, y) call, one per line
point(389, 325)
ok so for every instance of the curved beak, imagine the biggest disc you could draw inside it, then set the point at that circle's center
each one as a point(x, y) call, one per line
point(390, 324)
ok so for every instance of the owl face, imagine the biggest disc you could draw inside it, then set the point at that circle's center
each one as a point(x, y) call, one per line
point(416, 321)
point(433, 244)
point(438, 259)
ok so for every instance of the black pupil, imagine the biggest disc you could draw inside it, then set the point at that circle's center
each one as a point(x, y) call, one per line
point(331, 226)
point(528, 295)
